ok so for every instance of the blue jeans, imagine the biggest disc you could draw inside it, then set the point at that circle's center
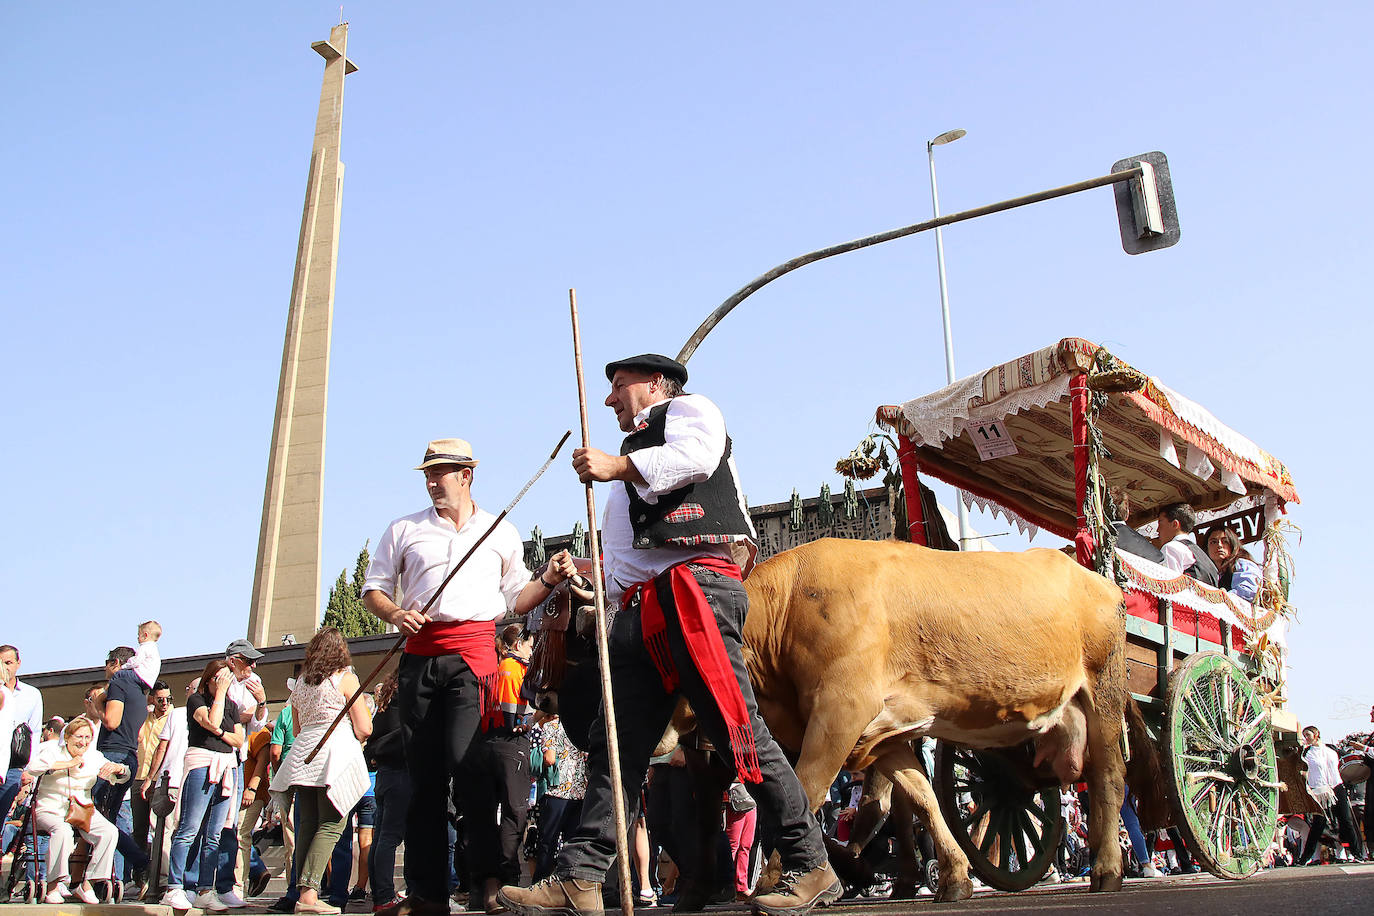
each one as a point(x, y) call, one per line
point(1132, 824)
point(203, 810)
point(40, 856)
point(340, 866)
point(111, 800)
point(9, 790)
point(226, 860)
point(393, 798)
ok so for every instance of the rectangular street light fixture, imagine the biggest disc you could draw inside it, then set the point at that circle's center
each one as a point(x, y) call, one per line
point(1145, 207)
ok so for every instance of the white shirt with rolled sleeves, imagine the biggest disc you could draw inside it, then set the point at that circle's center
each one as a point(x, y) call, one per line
point(694, 441)
point(174, 761)
point(239, 694)
point(23, 704)
point(417, 551)
point(1177, 555)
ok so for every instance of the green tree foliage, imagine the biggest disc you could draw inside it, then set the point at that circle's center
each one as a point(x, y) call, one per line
point(345, 608)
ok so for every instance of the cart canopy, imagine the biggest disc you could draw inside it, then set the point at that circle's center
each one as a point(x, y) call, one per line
point(1159, 445)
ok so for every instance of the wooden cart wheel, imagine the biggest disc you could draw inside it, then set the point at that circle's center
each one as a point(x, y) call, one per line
point(1014, 827)
point(1223, 772)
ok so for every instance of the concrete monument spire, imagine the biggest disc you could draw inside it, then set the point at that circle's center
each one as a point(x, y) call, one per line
point(286, 581)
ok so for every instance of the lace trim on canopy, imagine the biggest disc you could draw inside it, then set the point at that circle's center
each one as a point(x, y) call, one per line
point(1188, 592)
point(942, 415)
point(1030, 529)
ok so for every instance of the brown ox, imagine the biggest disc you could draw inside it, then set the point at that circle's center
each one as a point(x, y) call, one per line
point(856, 647)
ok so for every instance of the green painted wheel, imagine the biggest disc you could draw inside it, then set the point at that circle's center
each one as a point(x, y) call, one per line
point(1220, 758)
point(1007, 826)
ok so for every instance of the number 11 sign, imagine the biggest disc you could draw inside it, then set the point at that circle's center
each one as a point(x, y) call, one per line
point(991, 437)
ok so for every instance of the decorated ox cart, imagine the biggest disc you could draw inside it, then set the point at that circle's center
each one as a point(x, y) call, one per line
point(1052, 440)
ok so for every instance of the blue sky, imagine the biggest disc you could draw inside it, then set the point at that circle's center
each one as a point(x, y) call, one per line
point(655, 158)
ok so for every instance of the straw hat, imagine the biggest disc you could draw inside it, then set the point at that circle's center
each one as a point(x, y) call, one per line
point(448, 451)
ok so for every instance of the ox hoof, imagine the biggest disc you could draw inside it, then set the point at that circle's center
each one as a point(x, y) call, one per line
point(953, 890)
point(1105, 883)
point(905, 890)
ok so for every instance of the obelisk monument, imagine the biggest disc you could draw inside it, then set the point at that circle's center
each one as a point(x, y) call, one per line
point(286, 581)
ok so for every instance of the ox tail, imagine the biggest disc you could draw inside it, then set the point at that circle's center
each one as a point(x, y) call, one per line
point(1145, 772)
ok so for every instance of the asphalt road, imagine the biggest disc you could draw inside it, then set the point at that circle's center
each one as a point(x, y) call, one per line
point(1299, 891)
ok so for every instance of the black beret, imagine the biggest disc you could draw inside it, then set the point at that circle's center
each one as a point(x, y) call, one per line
point(650, 362)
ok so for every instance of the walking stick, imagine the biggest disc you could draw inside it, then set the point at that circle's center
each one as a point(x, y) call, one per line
point(622, 844)
point(424, 611)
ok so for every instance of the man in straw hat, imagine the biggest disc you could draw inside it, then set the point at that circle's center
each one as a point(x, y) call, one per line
point(447, 671)
point(674, 533)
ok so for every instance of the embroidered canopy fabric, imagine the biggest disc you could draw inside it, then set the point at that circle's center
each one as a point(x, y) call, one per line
point(1163, 447)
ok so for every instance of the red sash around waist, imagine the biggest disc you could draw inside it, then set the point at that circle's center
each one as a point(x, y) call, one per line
point(704, 643)
point(474, 640)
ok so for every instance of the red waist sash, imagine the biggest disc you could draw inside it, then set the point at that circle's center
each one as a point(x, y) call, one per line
point(702, 636)
point(474, 640)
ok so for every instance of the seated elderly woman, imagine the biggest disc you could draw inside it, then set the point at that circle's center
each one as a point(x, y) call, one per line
point(1237, 572)
point(63, 806)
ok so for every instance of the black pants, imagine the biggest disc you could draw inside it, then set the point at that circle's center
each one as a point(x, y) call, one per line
point(1368, 824)
point(1316, 826)
point(1345, 820)
point(643, 709)
point(440, 706)
point(671, 818)
point(143, 819)
point(496, 774)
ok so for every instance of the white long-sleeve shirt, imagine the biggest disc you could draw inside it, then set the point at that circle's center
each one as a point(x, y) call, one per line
point(23, 704)
point(174, 761)
point(417, 551)
point(1178, 556)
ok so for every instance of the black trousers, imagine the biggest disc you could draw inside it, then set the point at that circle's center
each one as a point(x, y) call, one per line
point(1345, 820)
point(440, 706)
point(1316, 827)
point(643, 709)
point(496, 775)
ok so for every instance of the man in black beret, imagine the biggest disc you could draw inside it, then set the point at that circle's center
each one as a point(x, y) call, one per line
point(674, 537)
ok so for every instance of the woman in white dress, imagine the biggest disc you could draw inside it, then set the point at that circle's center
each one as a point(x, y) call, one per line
point(326, 788)
point(69, 769)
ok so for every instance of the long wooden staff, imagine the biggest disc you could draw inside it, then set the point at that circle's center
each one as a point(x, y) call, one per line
point(424, 611)
point(622, 844)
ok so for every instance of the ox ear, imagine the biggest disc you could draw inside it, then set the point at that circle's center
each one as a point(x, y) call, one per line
point(586, 621)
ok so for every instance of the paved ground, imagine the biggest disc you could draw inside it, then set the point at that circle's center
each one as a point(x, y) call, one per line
point(1336, 890)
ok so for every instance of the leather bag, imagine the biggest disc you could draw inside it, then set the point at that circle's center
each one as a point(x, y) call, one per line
point(78, 814)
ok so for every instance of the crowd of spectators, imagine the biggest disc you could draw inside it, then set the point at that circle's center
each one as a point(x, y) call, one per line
point(226, 781)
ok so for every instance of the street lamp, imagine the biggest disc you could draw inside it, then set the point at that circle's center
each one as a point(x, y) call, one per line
point(948, 136)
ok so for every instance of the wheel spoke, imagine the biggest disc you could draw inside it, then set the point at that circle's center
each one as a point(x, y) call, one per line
point(1026, 832)
point(1202, 721)
point(989, 837)
point(1219, 813)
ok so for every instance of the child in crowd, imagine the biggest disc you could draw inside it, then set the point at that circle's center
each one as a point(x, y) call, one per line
point(146, 663)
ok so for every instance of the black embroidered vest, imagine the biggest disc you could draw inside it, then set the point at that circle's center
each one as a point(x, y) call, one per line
point(698, 513)
point(1203, 569)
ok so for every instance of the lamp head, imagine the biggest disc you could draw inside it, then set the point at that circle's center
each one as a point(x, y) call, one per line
point(948, 136)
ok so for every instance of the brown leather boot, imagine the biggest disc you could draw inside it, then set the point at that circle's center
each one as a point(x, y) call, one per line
point(797, 892)
point(554, 895)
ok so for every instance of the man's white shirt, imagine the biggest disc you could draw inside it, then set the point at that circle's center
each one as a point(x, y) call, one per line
point(417, 552)
point(1178, 556)
point(174, 733)
point(23, 704)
